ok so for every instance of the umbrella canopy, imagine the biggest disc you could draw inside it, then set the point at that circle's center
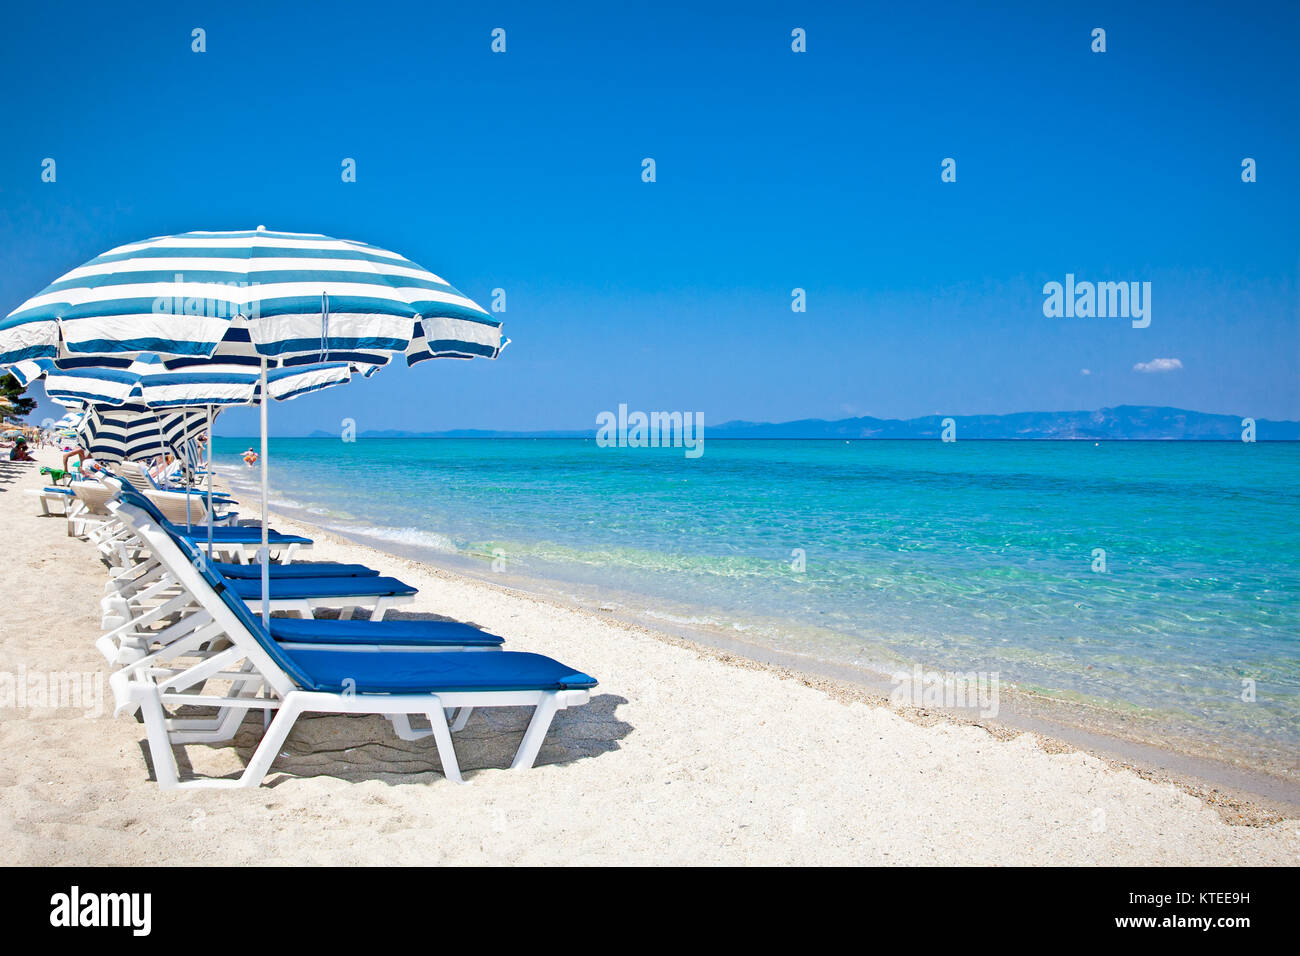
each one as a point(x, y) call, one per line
point(136, 433)
point(193, 455)
point(69, 422)
point(287, 297)
point(283, 299)
point(149, 381)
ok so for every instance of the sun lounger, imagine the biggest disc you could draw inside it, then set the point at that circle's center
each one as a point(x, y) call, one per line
point(241, 542)
point(90, 512)
point(186, 510)
point(55, 496)
point(305, 596)
point(395, 635)
point(140, 598)
point(322, 569)
point(265, 674)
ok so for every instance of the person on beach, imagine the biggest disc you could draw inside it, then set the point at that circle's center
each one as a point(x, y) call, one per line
point(250, 457)
point(76, 452)
point(161, 469)
point(20, 452)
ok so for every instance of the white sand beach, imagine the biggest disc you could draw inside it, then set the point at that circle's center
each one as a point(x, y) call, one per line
point(683, 756)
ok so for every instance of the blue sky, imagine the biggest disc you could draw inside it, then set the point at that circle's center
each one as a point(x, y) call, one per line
point(775, 170)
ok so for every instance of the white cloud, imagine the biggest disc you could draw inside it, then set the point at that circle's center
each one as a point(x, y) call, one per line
point(1159, 365)
point(1085, 371)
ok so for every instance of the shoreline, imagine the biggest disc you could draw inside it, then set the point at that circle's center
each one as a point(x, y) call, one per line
point(1241, 796)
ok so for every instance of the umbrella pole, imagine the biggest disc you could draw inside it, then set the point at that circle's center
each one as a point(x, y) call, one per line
point(209, 465)
point(162, 457)
point(189, 488)
point(265, 554)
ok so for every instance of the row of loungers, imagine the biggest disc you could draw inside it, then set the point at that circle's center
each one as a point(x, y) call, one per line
point(181, 632)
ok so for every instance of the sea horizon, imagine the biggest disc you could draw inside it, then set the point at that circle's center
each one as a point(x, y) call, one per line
point(545, 437)
point(1112, 423)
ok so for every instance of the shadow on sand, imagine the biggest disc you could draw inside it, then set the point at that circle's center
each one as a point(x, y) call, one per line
point(356, 748)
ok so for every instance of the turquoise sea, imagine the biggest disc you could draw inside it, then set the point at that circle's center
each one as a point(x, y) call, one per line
point(971, 556)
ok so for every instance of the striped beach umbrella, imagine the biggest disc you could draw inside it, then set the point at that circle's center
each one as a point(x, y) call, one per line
point(148, 380)
point(70, 422)
point(138, 433)
point(284, 296)
point(276, 297)
point(127, 398)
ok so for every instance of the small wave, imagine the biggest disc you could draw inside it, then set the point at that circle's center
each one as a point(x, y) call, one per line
point(411, 537)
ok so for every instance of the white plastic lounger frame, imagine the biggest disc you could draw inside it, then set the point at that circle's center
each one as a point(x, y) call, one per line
point(230, 653)
point(246, 552)
point(148, 594)
point(93, 498)
point(145, 591)
point(377, 604)
point(173, 504)
point(63, 498)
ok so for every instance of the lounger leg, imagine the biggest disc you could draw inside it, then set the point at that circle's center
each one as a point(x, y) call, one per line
point(536, 732)
point(160, 745)
point(402, 727)
point(461, 718)
point(446, 749)
point(269, 748)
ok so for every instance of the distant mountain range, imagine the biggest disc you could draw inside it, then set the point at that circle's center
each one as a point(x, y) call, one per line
point(1124, 422)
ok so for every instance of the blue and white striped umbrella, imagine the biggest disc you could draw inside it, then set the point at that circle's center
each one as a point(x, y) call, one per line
point(138, 433)
point(281, 298)
point(193, 455)
point(147, 380)
point(71, 421)
point(284, 296)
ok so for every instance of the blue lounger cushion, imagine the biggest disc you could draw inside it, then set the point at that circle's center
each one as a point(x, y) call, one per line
point(250, 589)
point(226, 535)
point(413, 672)
point(58, 491)
point(386, 672)
point(238, 535)
point(409, 633)
point(324, 569)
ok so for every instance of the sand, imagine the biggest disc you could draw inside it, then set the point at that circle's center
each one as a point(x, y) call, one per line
point(682, 757)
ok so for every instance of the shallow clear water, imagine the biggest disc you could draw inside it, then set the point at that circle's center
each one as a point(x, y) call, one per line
point(965, 556)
